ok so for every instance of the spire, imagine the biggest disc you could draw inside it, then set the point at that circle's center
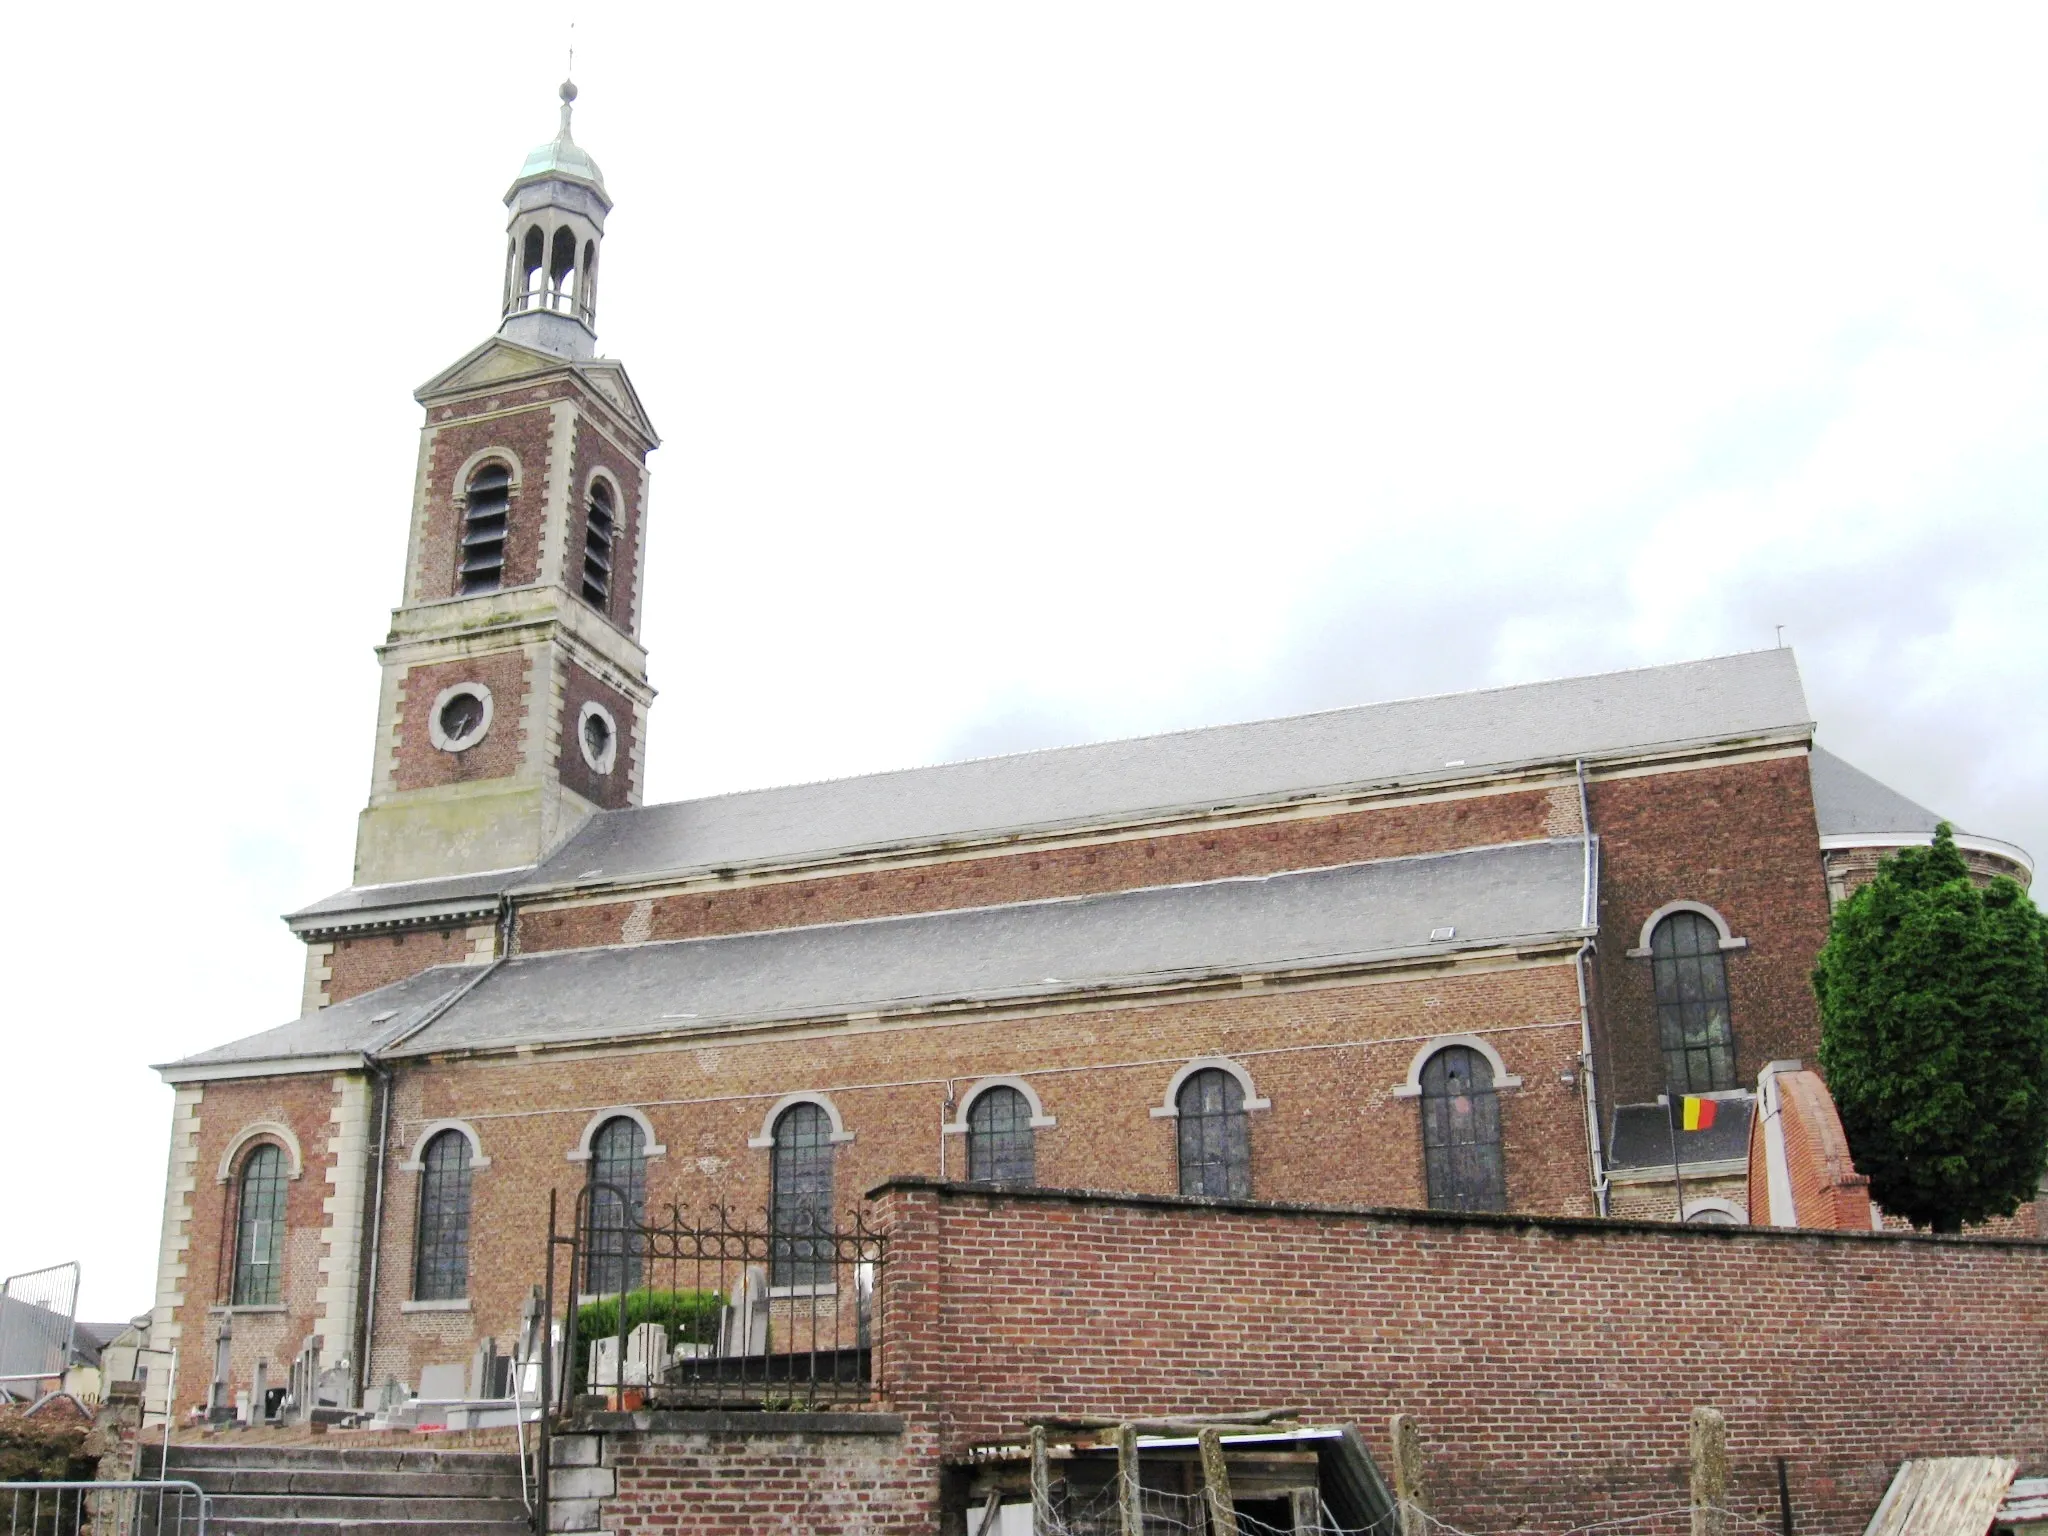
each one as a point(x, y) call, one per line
point(558, 205)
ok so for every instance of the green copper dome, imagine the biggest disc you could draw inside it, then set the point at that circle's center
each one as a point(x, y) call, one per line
point(561, 155)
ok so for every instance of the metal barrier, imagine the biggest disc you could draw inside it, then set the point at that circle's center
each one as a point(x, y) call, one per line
point(170, 1508)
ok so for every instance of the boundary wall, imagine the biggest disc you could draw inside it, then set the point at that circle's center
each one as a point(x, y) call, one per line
point(1553, 1363)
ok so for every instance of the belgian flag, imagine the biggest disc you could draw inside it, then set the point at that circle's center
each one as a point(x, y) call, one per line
point(1696, 1114)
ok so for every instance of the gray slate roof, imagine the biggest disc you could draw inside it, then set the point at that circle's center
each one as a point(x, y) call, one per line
point(1383, 909)
point(1643, 1136)
point(1848, 801)
point(357, 1024)
point(1757, 694)
point(448, 890)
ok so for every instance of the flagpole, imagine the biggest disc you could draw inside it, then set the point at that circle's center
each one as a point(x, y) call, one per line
point(1673, 1108)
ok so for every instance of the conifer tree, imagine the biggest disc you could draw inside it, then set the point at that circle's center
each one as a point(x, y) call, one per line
point(1934, 1037)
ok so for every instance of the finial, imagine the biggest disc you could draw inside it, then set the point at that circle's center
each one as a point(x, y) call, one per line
point(568, 95)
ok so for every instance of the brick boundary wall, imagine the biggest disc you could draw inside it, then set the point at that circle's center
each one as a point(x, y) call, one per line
point(1553, 1362)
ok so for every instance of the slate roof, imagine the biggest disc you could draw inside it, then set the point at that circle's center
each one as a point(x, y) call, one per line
point(482, 888)
point(1848, 801)
point(1642, 1136)
point(1757, 694)
point(1385, 909)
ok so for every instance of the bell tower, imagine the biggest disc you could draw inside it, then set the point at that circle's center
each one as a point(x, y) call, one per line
point(515, 693)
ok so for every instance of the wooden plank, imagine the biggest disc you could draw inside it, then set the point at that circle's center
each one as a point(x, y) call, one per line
point(1943, 1496)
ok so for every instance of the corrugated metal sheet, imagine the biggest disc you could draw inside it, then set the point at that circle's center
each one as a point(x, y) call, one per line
point(1944, 1496)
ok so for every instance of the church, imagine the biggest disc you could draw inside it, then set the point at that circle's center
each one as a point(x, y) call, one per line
point(1452, 953)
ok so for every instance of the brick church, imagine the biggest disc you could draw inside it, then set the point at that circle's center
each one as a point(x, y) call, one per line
point(1447, 952)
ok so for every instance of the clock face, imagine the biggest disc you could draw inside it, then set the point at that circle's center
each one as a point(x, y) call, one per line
point(461, 718)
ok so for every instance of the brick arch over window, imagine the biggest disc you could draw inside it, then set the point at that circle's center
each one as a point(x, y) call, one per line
point(262, 1130)
point(1728, 938)
point(650, 1145)
point(1040, 1120)
point(1170, 1109)
point(766, 1140)
point(433, 1128)
point(1411, 1086)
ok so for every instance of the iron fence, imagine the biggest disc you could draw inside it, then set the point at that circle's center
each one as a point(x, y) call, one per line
point(690, 1313)
point(171, 1508)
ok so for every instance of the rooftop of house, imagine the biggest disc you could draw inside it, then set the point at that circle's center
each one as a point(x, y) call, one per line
point(1383, 911)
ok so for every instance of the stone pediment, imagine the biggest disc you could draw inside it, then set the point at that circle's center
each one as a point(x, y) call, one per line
point(498, 362)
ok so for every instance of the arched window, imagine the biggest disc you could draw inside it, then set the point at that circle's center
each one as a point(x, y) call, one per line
point(530, 274)
point(1691, 976)
point(800, 1205)
point(618, 1203)
point(259, 1230)
point(562, 271)
point(1001, 1146)
point(440, 1269)
point(599, 530)
point(1461, 1132)
point(1215, 1136)
point(486, 512)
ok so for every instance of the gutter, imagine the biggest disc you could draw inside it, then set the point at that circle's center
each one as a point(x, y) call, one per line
point(1587, 906)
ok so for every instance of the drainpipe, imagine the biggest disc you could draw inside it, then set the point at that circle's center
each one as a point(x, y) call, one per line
point(374, 1063)
point(1586, 950)
point(369, 1310)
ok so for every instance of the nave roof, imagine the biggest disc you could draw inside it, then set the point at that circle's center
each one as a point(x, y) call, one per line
point(1387, 910)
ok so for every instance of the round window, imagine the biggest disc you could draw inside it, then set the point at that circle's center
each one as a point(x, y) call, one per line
point(597, 733)
point(460, 718)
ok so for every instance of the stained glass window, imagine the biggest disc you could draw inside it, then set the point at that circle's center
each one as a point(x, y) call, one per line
point(1691, 977)
point(801, 1203)
point(441, 1263)
point(1000, 1142)
point(259, 1230)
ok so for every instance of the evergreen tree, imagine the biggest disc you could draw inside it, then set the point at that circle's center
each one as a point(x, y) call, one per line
point(1934, 1037)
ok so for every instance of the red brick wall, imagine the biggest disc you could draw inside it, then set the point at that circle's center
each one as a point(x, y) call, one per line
point(306, 1105)
point(1209, 854)
point(527, 435)
point(421, 764)
point(376, 960)
point(610, 790)
point(1740, 838)
point(1326, 1058)
point(1553, 1365)
point(592, 451)
point(743, 1483)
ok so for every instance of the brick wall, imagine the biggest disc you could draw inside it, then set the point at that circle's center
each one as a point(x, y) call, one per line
point(365, 963)
point(1210, 853)
point(305, 1105)
point(1740, 838)
point(593, 451)
point(1328, 1059)
point(421, 764)
point(527, 435)
point(733, 1478)
point(609, 790)
point(1553, 1364)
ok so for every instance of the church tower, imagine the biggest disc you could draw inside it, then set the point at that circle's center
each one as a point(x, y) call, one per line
point(515, 688)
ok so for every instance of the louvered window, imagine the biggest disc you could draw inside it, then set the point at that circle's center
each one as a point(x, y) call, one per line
point(1215, 1136)
point(259, 1230)
point(599, 533)
point(441, 1265)
point(486, 515)
point(1461, 1132)
point(1001, 1145)
point(618, 1205)
point(800, 1213)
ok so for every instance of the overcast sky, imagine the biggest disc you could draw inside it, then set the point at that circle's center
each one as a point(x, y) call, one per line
point(1028, 375)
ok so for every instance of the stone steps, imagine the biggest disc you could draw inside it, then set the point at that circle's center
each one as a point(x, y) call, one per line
point(272, 1490)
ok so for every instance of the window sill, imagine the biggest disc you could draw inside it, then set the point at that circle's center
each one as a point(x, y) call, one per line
point(249, 1309)
point(452, 1304)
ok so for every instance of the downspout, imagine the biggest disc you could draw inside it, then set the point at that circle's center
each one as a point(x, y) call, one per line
point(1579, 961)
point(374, 1063)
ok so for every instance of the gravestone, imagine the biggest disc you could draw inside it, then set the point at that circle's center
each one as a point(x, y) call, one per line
point(646, 1354)
point(604, 1362)
point(743, 1325)
point(443, 1383)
